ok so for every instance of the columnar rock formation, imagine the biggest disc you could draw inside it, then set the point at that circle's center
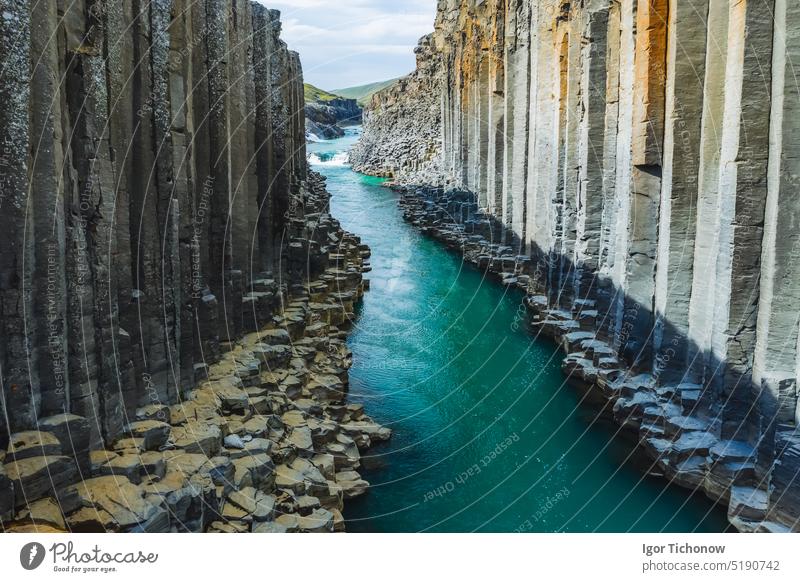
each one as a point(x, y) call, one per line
point(634, 163)
point(402, 125)
point(136, 165)
point(155, 207)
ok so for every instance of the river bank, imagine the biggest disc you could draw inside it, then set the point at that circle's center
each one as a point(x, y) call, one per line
point(487, 436)
point(681, 442)
point(673, 285)
point(268, 442)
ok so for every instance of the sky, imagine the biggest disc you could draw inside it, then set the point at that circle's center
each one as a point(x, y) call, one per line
point(343, 43)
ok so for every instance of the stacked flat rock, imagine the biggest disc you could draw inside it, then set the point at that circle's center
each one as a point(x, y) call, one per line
point(266, 442)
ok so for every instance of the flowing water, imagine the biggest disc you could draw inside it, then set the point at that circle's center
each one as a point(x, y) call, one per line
point(487, 435)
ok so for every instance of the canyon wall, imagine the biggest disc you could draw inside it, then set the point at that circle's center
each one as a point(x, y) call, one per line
point(402, 125)
point(156, 208)
point(150, 152)
point(632, 165)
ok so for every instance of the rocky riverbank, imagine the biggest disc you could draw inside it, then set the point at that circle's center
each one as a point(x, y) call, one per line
point(683, 439)
point(174, 294)
point(266, 443)
point(642, 196)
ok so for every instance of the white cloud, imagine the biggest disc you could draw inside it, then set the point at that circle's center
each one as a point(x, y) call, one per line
point(352, 42)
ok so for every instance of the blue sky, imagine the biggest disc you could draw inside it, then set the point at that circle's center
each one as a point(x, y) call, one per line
point(353, 42)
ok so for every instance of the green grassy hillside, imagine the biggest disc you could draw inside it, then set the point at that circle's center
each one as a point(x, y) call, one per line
point(316, 94)
point(363, 93)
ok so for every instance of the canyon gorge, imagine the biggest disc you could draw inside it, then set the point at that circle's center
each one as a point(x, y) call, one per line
point(582, 234)
point(631, 165)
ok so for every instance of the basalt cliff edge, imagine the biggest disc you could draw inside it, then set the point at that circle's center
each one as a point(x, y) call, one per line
point(632, 166)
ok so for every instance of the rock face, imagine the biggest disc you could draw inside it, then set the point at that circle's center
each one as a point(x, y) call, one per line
point(266, 442)
point(325, 119)
point(632, 166)
point(149, 160)
point(402, 125)
point(156, 216)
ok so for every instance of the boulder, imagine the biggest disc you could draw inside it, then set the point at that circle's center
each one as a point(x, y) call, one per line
point(273, 356)
point(338, 520)
point(345, 453)
point(294, 418)
point(231, 395)
point(73, 432)
point(692, 443)
point(306, 504)
point(351, 484)
point(319, 521)
point(115, 504)
point(257, 427)
point(257, 471)
point(325, 464)
point(245, 499)
point(198, 437)
point(748, 503)
point(288, 522)
point(289, 479)
point(233, 441)
point(190, 499)
point(326, 388)
point(256, 446)
point(300, 438)
point(125, 465)
point(45, 512)
point(32, 443)
point(275, 337)
point(37, 477)
point(154, 433)
point(232, 512)
point(265, 507)
point(153, 412)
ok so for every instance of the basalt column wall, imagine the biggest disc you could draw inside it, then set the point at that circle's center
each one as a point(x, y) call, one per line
point(637, 160)
point(151, 153)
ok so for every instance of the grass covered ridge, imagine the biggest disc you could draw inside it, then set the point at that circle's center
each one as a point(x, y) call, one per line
point(312, 94)
point(363, 93)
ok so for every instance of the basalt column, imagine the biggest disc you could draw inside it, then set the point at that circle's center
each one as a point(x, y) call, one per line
point(591, 163)
point(775, 365)
point(685, 76)
point(517, 90)
point(21, 387)
point(742, 197)
point(646, 178)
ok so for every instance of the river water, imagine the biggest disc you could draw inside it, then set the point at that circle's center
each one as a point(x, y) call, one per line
point(487, 435)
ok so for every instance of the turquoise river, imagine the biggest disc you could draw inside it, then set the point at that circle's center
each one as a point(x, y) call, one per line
point(487, 435)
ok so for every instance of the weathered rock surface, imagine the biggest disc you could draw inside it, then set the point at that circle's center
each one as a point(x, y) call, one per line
point(402, 126)
point(156, 190)
point(230, 458)
point(632, 166)
point(172, 284)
